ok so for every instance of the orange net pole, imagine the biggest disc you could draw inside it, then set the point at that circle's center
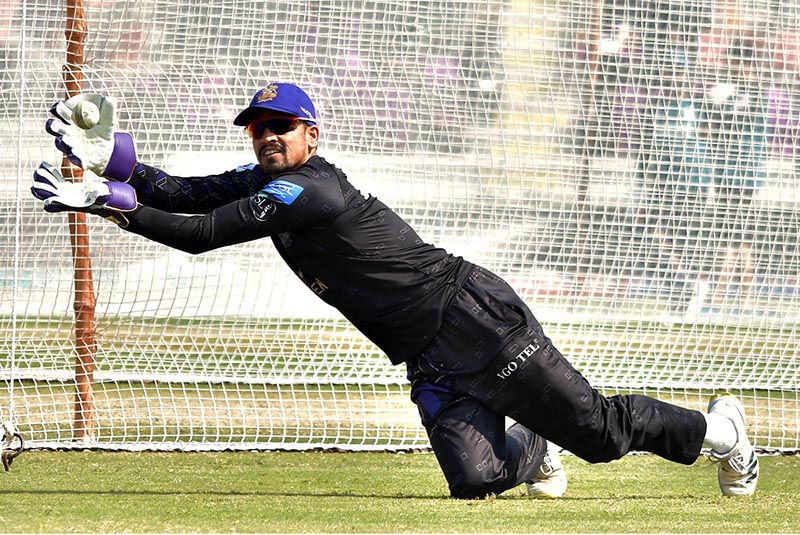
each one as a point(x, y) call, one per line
point(84, 303)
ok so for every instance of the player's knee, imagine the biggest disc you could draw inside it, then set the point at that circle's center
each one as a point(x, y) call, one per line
point(470, 485)
point(470, 492)
point(603, 451)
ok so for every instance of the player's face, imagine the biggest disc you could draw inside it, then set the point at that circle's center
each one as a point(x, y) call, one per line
point(281, 142)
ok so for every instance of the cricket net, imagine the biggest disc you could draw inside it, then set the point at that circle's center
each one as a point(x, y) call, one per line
point(630, 168)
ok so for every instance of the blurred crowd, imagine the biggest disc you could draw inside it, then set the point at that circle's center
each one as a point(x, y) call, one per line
point(700, 93)
point(701, 99)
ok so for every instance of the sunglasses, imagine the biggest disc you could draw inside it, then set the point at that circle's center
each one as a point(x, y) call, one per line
point(277, 126)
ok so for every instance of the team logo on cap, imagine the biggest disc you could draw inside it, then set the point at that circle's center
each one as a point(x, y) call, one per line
point(268, 93)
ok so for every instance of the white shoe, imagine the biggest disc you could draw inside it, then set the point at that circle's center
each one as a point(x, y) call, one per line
point(738, 468)
point(551, 479)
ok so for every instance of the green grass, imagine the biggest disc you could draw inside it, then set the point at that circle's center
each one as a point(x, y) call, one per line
point(290, 492)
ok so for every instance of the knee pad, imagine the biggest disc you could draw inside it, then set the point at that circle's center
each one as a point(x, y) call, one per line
point(476, 482)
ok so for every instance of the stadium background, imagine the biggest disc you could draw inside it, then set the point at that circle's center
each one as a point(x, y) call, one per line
point(479, 122)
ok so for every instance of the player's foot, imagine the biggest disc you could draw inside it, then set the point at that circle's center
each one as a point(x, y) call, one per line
point(551, 479)
point(738, 468)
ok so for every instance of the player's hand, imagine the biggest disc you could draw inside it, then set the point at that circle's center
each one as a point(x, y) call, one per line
point(100, 198)
point(89, 148)
point(90, 140)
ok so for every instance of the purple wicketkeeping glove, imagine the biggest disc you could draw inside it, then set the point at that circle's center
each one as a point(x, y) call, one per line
point(85, 128)
point(106, 199)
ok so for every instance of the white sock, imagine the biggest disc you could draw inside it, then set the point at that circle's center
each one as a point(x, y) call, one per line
point(721, 434)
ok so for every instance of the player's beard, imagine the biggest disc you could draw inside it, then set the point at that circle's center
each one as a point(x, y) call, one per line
point(274, 160)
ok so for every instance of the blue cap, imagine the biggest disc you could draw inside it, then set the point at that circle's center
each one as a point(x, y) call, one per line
point(283, 98)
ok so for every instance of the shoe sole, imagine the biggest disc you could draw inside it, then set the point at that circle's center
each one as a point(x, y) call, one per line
point(544, 495)
point(734, 401)
point(535, 493)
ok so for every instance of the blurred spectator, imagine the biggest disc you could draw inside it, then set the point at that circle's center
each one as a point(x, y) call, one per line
point(401, 76)
point(736, 119)
point(481, 58)
point(676, 168)
point(784, 117)
point(442, 84)
point(9, 57)
point(612, 77)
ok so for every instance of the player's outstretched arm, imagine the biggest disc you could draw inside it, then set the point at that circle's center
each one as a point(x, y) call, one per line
point(85, 130)
point(111, 200)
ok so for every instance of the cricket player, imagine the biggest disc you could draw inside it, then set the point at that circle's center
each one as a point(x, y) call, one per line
point(474, 351)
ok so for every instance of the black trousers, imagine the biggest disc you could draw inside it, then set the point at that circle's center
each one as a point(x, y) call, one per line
point(492, 360)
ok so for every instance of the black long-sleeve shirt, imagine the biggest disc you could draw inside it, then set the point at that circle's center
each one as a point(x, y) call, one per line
point(353, 251)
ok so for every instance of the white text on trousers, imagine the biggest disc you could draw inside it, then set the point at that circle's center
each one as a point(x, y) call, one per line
point(520, 359)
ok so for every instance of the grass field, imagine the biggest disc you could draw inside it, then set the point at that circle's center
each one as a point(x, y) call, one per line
point(291, 492)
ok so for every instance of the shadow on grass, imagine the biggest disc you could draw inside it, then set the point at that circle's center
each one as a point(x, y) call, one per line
point(508, 497)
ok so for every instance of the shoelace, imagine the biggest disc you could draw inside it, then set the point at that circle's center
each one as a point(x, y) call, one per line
point(547, 468)
point(738, 463)
point(716, 457)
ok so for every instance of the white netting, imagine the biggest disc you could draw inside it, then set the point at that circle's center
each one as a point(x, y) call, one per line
point(630, 167)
